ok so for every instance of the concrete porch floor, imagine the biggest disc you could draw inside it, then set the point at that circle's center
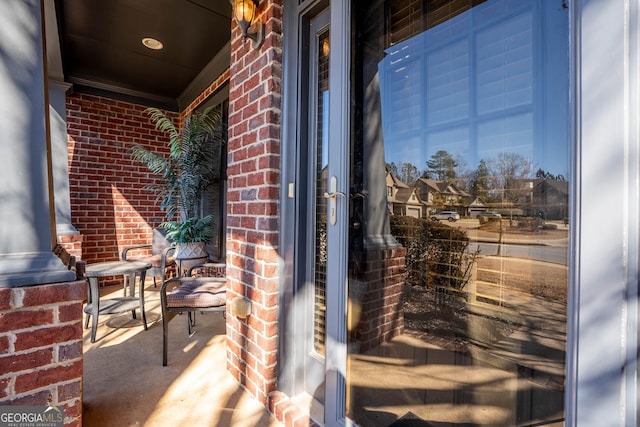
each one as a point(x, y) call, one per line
point(125, 384)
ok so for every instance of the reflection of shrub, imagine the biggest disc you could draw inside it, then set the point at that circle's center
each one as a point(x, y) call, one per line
point(436, 253)
point(489, 219)
point(531, 223)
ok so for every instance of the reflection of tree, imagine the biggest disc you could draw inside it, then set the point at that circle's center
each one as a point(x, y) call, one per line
point(506, 175)
point(548, 176)
point(480, 184)
point(409, 173)
point(442, 166)
point(462, 173)
point(439, 200)
point(405, 171)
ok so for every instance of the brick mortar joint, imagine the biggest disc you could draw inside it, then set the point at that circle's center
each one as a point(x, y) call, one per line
point(51, 388)
point(55, 349)
point(54, 324)
point(286, 407)
point(54, 364)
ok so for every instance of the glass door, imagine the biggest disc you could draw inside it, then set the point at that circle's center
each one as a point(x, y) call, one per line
point(309, 300)
point(323, 200)
point(457, 213)
point(316, 170)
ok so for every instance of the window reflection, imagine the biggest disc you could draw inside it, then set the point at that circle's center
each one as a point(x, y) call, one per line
point(458, 253)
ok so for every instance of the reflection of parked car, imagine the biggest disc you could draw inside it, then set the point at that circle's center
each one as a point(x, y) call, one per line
point(488, 216)
point(448, 215)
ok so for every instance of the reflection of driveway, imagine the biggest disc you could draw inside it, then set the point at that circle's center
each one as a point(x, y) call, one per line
point(542, 245)
point(448, 378)
point(491, 233)
point(553, 254)
point(543, 279)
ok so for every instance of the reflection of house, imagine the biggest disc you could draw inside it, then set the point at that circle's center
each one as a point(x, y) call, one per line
point(476, 206)
point(551, 197)
point(402, 199)
point(428, 195)
point(441, 194)
point(519, 191)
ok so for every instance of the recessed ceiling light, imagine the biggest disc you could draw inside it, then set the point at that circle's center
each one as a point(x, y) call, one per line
point(152, 43)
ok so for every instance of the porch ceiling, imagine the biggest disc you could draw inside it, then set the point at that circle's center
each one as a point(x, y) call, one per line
point(98, 46)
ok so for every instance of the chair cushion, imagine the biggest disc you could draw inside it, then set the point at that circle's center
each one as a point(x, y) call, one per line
point(198, 295)
point(155, 260)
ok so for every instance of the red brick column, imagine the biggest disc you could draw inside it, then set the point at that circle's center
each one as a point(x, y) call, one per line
point(41, 347)
point(252, 202)
point(380, 297)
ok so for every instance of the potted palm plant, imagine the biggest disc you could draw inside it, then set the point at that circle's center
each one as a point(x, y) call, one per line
point(185, 172)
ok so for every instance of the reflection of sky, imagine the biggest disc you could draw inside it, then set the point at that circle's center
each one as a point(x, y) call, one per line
point(493, 79)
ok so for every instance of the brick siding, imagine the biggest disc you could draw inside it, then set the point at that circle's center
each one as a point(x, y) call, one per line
point(380, 298)
point(110, 206)
point(252, 203)
point(41, 347)
point(72, 244)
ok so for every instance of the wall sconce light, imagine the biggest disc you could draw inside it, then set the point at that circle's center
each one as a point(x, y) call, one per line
point(244, 12)
point(240, 307)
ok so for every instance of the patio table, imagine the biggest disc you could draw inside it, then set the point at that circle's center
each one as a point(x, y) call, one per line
point(96, 306)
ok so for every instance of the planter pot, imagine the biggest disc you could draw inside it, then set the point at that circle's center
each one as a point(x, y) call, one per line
point(190, 254)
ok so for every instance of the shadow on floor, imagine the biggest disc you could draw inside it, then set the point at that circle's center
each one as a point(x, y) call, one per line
point(125, 384)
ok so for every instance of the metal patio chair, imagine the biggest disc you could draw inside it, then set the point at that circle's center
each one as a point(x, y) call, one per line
point(202, 289)
point(161, 257)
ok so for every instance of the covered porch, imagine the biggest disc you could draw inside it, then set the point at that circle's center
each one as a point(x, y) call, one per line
point(124, 382)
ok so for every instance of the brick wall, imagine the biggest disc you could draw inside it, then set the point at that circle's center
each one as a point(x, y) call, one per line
point(72, 244)
point(252, 202)
point(109, 205)
point(41, 347)
point(378, 296)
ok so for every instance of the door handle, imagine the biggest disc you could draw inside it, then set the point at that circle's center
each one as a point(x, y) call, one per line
point(334, 194)
point(331, 196)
